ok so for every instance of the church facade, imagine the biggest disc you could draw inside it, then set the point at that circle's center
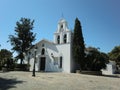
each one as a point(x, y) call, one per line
point(53, 56)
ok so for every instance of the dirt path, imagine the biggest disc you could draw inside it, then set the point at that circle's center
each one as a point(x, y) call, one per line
point(56, 81)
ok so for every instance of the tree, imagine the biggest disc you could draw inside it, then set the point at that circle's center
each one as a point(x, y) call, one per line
point(5, 57)
point(115, 54)
point(95, 60)
point(23, 38)
point(78, 44)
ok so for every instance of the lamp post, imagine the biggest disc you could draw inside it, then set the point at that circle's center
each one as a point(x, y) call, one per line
point(34, 62)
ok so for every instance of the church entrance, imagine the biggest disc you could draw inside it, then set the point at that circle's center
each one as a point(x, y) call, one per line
point(42, 64)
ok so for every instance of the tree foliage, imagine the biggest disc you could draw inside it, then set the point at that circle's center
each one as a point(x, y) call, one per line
point(5, 57)
point(23, 37)
point(95, 60)
point(115, 54)
point(78, 44)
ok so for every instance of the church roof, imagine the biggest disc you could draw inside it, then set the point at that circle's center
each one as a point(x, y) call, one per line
point(44, 40)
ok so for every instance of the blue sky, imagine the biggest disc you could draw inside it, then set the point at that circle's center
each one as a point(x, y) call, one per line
point(100, 19)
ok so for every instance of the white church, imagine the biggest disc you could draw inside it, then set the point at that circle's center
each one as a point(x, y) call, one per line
point(53, 56)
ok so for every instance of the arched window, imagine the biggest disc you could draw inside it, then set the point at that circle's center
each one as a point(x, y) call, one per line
point(58, 39)
point(61, 26)
point(43, 51)
point(65, 38)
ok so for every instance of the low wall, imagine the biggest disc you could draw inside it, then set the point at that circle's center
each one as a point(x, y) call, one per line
point(90, 72)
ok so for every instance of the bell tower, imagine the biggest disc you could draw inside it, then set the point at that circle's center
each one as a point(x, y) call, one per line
point(63, 34)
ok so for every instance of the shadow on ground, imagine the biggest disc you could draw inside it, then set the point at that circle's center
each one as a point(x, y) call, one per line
point(112, 76)
point(6, 84)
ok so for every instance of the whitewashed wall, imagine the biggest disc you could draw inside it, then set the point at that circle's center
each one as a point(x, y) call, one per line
point(64, 50)
point(56, 51)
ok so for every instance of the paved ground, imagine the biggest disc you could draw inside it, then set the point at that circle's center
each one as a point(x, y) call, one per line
point(56, 81)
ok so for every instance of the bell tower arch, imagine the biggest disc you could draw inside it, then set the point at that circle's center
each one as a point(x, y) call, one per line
point(62, 34)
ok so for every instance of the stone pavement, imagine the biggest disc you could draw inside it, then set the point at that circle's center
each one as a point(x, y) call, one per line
point(56, 81)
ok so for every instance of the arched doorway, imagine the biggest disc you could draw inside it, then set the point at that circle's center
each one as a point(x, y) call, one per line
point(42, 63)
